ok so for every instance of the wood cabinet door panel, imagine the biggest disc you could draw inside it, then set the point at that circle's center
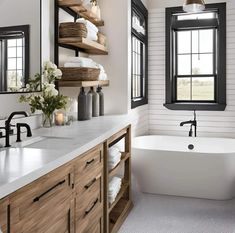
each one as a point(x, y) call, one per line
point(4, 218)
point(45, 206)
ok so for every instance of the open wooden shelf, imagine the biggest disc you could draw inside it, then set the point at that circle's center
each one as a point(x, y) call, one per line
point(124, 157)
point(103, 83)
point(78, 7)
point(124, 187)
point(118, 214)
point(89, 46)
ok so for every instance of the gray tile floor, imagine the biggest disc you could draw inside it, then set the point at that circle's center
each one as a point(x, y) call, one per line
point(168, 214)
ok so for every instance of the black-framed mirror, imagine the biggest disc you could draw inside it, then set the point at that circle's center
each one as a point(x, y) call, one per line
point(20, 44)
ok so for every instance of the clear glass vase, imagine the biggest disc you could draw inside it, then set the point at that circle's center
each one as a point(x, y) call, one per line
point(47, 120)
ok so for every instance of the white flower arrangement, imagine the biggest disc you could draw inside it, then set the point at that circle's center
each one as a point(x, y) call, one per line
point(49, 99)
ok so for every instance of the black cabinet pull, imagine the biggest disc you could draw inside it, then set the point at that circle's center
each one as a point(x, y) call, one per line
point(92, 207)
point(90, 184)
point(90, 162)
point(36, 199)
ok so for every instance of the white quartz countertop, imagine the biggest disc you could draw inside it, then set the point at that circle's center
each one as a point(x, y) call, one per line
point(21, 166)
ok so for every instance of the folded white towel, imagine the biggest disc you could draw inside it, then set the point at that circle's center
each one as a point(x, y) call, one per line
point(73, 65)
point(114, 157)
point(80, 62)
point(88, 24)
point(114, 182)
point(113, 151)
point(114, 188)
point(79, 59)
point(112, 164)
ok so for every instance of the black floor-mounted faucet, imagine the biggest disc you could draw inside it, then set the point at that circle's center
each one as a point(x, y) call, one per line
point(8, 130)
point(192, 124)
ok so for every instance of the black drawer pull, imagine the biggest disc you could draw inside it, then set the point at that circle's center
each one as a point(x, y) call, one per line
point(90, 184)
point(36, 199)
point(92, 207)
point(90, 162)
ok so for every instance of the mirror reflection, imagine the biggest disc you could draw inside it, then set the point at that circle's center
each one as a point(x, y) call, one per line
point(20, 44)
point(14, 58)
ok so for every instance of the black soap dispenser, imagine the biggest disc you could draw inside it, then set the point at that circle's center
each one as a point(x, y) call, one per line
point(101, 100)
point(82, 105)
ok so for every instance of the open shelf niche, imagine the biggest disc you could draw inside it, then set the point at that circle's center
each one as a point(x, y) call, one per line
point(76, 9)
point(116, 213)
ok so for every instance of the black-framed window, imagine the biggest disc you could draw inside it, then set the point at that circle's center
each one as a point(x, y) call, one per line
point(14, 57)
point(139, 54)
point(196, 59)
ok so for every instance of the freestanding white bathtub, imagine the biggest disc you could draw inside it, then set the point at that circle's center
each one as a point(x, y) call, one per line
point(165, 165)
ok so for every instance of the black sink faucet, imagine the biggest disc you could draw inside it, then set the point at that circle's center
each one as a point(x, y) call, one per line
point(192, 123)
point(8, 125)
point(22, 125)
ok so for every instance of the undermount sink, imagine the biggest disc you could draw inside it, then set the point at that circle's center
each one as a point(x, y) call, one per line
point(42, 142)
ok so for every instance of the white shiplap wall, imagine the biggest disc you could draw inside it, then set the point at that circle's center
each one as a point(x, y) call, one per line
point(139, 120)
point(164, 121)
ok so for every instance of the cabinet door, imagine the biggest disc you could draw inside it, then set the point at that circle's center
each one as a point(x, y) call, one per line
point(46, 205)
point(4, 215)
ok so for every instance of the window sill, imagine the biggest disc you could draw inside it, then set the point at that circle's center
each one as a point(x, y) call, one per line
point(196, 106)
point(138, 103)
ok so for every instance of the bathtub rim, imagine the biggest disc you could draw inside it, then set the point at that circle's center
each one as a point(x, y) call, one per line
point(183, 151)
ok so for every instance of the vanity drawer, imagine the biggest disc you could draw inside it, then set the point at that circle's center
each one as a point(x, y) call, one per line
point(89, 162)
point(88, 211)
point(90, 184)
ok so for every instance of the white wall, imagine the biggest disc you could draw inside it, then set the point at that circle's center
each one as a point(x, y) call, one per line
point(118, 63)
point(163, 121)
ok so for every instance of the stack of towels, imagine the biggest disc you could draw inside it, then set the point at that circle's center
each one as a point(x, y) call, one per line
point(80, 62)
point(92, 30)
point(88, 63)
point(114, 157)
point(115, 185)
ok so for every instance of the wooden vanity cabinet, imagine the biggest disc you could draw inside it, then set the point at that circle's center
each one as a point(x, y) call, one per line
point(72, 198)
point(4, 215)
point(46, 205)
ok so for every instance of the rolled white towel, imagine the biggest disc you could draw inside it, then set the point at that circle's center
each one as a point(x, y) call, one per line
point(88, 24)
point(101, 68)
point(103, 76)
